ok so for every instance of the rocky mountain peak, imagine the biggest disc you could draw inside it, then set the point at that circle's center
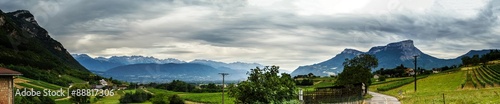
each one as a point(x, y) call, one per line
point(26, 21)
point(25, 15)
point(402, 44)
point(351, 51)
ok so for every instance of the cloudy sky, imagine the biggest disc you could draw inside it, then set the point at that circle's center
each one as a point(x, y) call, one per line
point(288, 33)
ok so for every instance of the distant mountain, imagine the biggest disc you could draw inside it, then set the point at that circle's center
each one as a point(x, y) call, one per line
point(103, 64)
point(127, 60)
point(234, 65)
point(389, 56)
point(95, 64)
point(170, 71)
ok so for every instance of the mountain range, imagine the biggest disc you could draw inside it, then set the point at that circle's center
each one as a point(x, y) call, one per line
point(103, 64)
point(151, 69)
point(389, 56)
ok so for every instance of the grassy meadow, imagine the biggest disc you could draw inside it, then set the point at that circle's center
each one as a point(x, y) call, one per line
point(431, 90)
point(214, 98)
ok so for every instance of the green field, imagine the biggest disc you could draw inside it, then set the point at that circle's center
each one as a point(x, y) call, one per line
point(116, 98)
point(431, 89)
point(215, 98)
point(42, 84)
point(320, 82)
point(212, 98)
point(389, 80)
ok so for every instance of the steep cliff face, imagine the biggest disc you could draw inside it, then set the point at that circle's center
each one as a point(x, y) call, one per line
point(24, 42)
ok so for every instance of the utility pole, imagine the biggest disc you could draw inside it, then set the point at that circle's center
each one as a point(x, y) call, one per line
point(223, 75)
point(415, 72)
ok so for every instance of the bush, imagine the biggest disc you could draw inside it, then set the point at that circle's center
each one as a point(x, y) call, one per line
point(305, 82)
point(175, 99)
point(381, 78)
point(138, 97)
point(160, 98)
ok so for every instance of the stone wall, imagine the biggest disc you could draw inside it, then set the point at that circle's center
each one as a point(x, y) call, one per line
point(6, 89)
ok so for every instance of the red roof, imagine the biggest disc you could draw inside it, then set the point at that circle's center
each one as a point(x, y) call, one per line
point(8, 72)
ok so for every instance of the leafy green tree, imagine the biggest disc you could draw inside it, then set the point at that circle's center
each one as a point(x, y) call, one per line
point(264, 86)
point(310, 75)
point(475, 59)
point(79, 99)
point(358, 70)
point(212, 86)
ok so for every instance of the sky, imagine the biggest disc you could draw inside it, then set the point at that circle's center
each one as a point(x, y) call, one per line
point(287, 33)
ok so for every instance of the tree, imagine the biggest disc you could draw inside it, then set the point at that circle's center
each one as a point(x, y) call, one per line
point(79, 98)
point(212, 86)
point(475, 59)
point(358, 70)
point(310, 75)
point(264, 86)
point(466, 60)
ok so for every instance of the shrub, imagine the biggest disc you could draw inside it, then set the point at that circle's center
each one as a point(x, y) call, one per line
point(138, 97)
point(381, 78)
point(160, 98)
point(175, 99)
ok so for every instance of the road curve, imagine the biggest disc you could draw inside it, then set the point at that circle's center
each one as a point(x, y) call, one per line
point(381, 99)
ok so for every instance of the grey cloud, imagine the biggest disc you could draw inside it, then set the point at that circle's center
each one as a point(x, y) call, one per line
point(176, 52)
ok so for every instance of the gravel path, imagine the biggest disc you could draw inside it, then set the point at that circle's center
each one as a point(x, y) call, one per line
point(381, 99)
